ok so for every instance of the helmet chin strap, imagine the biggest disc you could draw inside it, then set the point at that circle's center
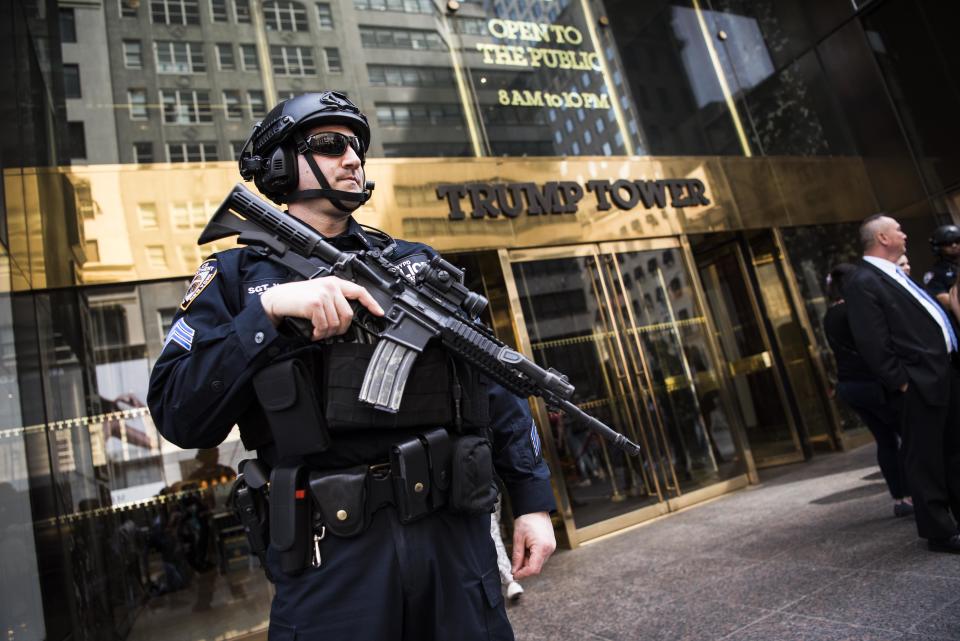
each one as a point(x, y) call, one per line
point(335, 196)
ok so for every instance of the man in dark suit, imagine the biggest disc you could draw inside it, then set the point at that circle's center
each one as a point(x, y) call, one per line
point(908, 343)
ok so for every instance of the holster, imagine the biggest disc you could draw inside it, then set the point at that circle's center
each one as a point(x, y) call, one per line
point(251, 505)
point(290, 523)
point(288, 396)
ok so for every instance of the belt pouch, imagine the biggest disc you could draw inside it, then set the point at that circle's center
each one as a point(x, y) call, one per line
point(472, 488)
point(411, 479)
point(437, 443)
point(289, 399)
point(341, 498)
point(290, 526)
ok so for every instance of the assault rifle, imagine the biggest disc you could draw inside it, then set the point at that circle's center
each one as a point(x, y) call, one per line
point(436, 306)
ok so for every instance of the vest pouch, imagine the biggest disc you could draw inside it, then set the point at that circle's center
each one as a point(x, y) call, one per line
point(287, 394)
point(426, 396)
point(341, 498)
point(472, 487)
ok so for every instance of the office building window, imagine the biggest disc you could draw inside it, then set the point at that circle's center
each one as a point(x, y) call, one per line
point(406, 76)
point(143, 152)
point(132, 54)
point(174, 11)
point(192, 151)
point(387, 38)
point(179, 57)
point(76, 140)
point(248, 54)
point(68, 25)
point(292, 61)
point(128, 8)
point(188, 215)
point(324, 15)
point(231, 105)
point(137, 103)
point(470, 26)
point(183, 107)
point(225, 59)
point(218, 11)
point(332, 54)
point(407, 114)
point(241, 8)
point(258, 104)
point(406, 6)
point(236, 146)
point(147, 215)
point(156, 256)
point(71, 81)
point(92, 251)
point(284, 15)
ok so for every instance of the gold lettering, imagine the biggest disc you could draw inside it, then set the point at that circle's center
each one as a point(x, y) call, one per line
point(505, 55)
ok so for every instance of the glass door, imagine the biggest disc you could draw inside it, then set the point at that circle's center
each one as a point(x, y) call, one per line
point(623, 322)
point(793, 340)
point(749, 353)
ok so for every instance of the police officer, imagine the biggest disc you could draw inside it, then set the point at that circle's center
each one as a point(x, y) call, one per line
point(945, 243)
point(356, 552)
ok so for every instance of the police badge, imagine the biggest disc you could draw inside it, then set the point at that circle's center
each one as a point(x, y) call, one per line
point(203, 277)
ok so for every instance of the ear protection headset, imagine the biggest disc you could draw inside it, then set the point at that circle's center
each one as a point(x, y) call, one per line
point(269, 156)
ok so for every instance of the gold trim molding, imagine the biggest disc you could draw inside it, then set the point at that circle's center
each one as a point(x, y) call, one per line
point(127, 223)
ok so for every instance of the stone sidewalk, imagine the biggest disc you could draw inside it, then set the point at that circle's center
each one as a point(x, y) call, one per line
point(812, 553)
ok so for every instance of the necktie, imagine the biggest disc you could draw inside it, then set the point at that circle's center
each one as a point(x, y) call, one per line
point(943, 315)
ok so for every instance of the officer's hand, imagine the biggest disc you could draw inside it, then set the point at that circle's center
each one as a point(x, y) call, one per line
point(322, 301)
point(533, 543)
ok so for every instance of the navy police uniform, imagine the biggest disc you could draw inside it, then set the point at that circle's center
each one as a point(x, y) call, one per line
point(940, 278)
point(433, 578)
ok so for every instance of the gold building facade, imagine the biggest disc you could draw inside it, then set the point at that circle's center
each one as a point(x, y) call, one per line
point(649, 194)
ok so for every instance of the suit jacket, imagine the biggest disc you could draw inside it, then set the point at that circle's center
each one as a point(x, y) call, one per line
point(896, 336)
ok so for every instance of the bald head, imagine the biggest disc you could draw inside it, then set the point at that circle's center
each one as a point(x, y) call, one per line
point(881, 236)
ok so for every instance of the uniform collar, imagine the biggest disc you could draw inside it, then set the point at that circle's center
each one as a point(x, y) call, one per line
point(353, 238)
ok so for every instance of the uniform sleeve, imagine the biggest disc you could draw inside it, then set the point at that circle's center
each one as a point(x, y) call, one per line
point(201, 383)
point(936, 281)
point(517, 454)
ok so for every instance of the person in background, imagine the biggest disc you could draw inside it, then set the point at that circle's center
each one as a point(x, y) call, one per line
point(904, 264)
point(909, 344)
point(514, 589)
point(945, 243)
point(863, 393)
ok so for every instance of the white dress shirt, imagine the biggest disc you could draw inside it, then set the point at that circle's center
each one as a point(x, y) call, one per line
point(894, 272)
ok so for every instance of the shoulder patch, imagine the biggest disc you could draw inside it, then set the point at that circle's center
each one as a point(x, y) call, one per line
point(181, 334)
point(203, 277)
point(927, 278)
point(535, 440)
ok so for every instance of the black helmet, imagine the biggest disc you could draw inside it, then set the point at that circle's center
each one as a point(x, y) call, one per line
point(944, 235)
point(269, 157)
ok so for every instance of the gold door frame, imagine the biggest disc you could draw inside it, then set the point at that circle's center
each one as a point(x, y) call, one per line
point(596, 531)
point(781, 459)
point(839, 439)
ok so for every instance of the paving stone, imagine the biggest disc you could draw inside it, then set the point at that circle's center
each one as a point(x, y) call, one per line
point(887, 600)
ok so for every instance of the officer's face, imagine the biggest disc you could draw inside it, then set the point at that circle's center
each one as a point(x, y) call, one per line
point(952, 249)
point(343, 172)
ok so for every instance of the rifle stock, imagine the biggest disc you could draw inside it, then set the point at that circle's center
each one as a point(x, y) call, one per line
point(436, 306)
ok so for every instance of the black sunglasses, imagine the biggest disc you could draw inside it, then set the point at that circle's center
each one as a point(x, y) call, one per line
point(333, 143)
